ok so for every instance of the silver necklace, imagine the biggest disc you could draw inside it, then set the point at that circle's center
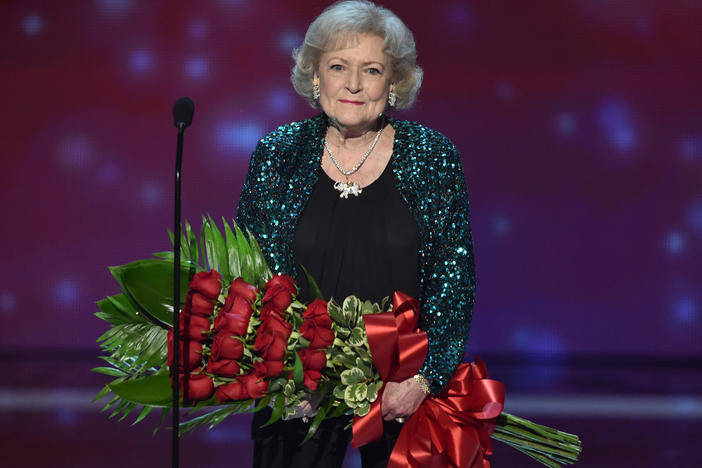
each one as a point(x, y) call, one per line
point(351, 188)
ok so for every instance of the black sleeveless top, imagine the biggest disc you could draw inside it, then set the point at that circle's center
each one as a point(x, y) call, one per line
point(365, 245)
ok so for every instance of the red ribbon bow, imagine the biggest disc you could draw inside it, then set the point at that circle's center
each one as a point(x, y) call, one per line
point(398, 348)
point(451, 429)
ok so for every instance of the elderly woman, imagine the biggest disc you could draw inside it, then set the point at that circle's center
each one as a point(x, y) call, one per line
point(369, 205)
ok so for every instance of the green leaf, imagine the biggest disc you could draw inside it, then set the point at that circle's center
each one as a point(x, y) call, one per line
point(154, 390)
point(362, 409)
point(358, 338)
point(335, 313)
point(247, 265)
point(373, 389)
point(313, 287)
point(109, 371)
point(149, 283)
point(192, 245)
point(260, 265)
point(319, 417)
point(298, 373)
point(350, 311)
point(278, 408)
point(232, 254)
point(144, 411)
point(352, 376)
point(220, 250)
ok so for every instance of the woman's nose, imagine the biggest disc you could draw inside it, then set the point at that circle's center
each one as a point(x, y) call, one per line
point(353, 82)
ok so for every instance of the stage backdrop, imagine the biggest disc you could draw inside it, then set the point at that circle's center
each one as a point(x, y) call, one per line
point(579, 125)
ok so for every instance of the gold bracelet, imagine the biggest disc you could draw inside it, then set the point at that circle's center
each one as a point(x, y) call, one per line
point(423, 383)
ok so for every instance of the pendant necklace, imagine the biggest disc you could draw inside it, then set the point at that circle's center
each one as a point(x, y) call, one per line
point(349, 187)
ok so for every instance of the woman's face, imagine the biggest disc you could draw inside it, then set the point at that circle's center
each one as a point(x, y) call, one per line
point(354, 82)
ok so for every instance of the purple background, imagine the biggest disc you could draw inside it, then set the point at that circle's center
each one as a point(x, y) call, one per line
point(580, 127)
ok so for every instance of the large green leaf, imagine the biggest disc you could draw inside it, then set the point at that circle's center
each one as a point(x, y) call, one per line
point(232, 254)
point(154, 390)
point(149, 283)
point(220, 250)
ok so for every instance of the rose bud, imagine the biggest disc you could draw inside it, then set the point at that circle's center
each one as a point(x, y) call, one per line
point(207, 284)
point(311, 379)
point(273, 322)
point(232, 391)
point(224, 346)
point(255, 383)
point(318, 336)
point(223, 367)
point(283, 280)
point(243, 289)
point(234, 316)
point(313, 359)
point(194, 327)
point(196, 387)
point(198, 304)
point(271, 346)
point(278, 296)
point(317, 311)
point(273, 368)
point(194, 352)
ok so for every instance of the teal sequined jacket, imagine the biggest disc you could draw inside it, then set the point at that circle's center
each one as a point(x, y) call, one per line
point(429, 176)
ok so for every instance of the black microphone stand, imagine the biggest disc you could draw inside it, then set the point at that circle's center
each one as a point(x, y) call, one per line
point(176, 300)
point(182, 117)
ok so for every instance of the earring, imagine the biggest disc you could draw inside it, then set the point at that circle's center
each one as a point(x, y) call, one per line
point(315, 92)
point(392, 98)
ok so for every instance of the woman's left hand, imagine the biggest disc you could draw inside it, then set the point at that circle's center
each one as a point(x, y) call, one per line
point(401, 399)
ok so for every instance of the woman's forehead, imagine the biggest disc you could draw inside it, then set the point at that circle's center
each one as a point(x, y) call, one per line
point(349, 39)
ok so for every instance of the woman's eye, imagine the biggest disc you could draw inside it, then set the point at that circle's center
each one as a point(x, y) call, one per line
point(336, 67)
point(374, 71)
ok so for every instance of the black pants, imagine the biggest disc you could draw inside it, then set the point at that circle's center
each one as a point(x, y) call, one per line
point(278, 445)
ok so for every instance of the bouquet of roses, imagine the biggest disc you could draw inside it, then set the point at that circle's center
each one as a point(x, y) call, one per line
point(246, 343)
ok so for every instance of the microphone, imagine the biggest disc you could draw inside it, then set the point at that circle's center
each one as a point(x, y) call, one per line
point(183, 110)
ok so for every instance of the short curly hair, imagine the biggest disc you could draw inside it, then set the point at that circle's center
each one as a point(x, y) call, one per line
point(359, 17)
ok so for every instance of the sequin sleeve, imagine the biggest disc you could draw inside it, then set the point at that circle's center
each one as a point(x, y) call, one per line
point(258, 197)
point(449, 272)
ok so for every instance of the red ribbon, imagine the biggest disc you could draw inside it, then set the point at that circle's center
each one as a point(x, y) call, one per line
point(451, 429)
point(398, 348)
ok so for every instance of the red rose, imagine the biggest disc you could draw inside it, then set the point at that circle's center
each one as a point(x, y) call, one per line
point(207, 284)
point(273, 322)
point(279, 292)
point(278, 297)
point(243, 289)
point(224, 346)
point(317, 312)
point(317, 325)
point(196, 387)
point(255, 383)
point(231, 391)
point(311, 379)
point(194, 327)
point(283, 280)
point(271, 346)
point(273, 368)
point(223, 367)
point(194, 352)
point(313, 361)
point(197, 304)
point(234, 316)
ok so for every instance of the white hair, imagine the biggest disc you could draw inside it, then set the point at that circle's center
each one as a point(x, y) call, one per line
point(329, 31)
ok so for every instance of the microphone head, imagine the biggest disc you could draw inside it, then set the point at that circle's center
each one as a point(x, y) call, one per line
point(183, 110)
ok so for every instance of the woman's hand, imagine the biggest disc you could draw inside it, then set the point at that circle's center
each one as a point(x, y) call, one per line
point(401, 399)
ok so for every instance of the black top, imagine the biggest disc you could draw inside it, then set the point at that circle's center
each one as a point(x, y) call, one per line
point(365, 245)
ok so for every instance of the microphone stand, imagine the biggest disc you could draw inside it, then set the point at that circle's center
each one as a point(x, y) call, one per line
point(176, 301)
